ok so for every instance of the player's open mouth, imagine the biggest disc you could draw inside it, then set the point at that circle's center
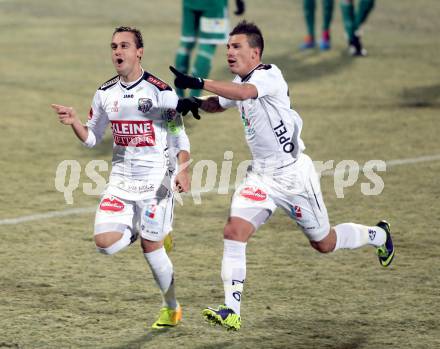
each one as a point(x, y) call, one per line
point(231, 61)
point(119, 61)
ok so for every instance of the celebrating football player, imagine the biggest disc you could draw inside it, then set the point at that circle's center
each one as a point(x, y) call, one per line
point(148, 136)
point(282, 175)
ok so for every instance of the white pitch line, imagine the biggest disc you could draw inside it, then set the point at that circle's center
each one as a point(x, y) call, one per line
point(47, 215)
point(427, 158)
point(74, 211)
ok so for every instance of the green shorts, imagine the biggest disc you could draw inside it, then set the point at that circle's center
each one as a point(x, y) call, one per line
point(209, 26)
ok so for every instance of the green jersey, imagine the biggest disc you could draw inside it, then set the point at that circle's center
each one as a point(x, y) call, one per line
point(205, 4)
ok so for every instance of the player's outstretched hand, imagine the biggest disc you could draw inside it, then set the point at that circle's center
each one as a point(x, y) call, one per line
point(240, 7)
point(66, 115)
point(186, 81)
point(191, 104)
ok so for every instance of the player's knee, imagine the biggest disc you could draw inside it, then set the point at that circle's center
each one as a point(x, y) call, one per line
point(238, 229)
point(321, 247)
point(105, 241)
point(233, 231)
point(230, 232)
point(325, 245)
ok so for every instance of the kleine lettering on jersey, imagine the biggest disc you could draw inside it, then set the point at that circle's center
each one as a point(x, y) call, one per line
point(133, 133)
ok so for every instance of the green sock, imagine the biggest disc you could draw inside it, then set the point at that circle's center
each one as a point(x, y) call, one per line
point(364, 9)
point(309, 17)
point(182, 61)
point(327, 13)
point(202, 64)
point(347, 10)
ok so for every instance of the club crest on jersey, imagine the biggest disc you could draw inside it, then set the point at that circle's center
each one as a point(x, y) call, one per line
point(111, 204)
point(253, 193)
point(144, 104)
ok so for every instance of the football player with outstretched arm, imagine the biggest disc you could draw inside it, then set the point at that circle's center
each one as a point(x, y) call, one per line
point(282, 175)
point(148, 134)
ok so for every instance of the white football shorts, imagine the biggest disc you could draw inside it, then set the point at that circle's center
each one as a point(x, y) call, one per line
point(294, 188)
point(152, 218)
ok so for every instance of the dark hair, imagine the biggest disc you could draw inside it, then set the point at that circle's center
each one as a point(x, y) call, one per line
point(253, 33)
point(137, 35)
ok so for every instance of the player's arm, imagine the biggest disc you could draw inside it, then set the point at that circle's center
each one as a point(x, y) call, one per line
point(68, 116)
point(170, 100)
point(180, 142)
point(182, 180)
point(179, 147)
point(240, 7)
point(211, 104)
point(229, 90)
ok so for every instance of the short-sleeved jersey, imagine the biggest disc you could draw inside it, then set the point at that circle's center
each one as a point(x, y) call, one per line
point(145, 126)
point(271, 127)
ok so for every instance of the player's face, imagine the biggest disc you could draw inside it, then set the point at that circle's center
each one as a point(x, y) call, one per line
point(241, 57)
point(125, 55)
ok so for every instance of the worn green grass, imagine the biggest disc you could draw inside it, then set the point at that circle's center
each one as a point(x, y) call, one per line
point(57, 292)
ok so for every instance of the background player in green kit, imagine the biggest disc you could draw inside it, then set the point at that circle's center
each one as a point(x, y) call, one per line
point(204, 22)
point(353, 19)
point(309, 7)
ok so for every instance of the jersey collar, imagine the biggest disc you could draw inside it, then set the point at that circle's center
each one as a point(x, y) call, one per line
point(248, 76)
point(130, 85)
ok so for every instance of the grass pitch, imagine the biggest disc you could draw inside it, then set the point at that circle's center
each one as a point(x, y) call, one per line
point(57, 292)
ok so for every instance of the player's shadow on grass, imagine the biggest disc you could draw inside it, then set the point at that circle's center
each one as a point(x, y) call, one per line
point(421, 97)
point(298, 69)
point(140, 341)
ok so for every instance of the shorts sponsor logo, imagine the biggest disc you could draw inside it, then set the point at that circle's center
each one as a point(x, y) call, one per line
point(253, 193)
point(133, 133)
point(143, 188)
point(154, 232)
point(111, 205)
point(297, 211)
point(150, 212)
point(144, 104)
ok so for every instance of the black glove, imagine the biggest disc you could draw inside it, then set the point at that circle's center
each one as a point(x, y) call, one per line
point(186, 81)
point(191, 104)
point(240, 7)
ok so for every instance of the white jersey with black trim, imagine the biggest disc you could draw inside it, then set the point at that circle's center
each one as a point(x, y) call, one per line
point(271, 127)
point(146, 132)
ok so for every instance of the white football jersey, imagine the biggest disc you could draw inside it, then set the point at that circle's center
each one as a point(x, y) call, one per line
point(271, 127)
point(147, 134)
